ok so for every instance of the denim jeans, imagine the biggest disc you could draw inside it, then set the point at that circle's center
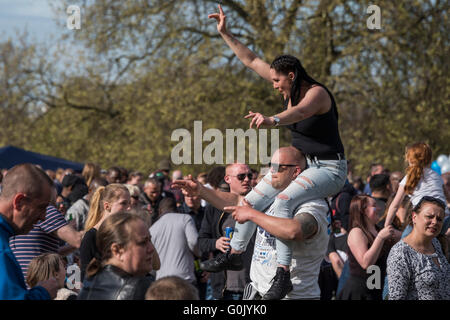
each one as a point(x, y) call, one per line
point(322, 178)
point(345, 274)
point(209, 291)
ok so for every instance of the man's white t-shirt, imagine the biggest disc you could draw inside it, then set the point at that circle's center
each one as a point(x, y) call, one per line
point(307, 256)
point(431, 184)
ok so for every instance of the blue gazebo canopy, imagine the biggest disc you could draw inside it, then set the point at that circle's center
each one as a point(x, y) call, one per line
point(11, 156)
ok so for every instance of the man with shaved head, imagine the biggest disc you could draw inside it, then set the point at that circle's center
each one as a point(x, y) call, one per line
point(25, 195)
point(229, 284)
point(305, 230)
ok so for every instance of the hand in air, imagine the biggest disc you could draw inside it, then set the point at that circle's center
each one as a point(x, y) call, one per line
point(221, 20)
point(259, 120)
point(190, 186)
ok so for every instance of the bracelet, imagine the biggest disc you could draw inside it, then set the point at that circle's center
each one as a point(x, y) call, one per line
point(276, 121)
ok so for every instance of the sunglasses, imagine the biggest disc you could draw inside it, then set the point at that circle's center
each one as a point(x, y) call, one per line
point(275, 167)
point(241, 177)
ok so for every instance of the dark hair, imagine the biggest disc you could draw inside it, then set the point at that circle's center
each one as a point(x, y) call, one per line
point(154, 181)
point(287, 63)
point(97, 182)
point(167, 205)
point(442, 238)
point(79, 187)
point(358, 206)
point(136, 174)
point(116, 169)
point(215, 176)
point(428, 199)
point(379, 182)
point(123, 174)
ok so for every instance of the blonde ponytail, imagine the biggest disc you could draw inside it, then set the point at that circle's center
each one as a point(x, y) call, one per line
point(109, 193)
point(95, 211)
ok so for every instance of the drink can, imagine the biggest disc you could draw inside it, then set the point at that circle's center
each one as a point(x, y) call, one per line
point(229, 232)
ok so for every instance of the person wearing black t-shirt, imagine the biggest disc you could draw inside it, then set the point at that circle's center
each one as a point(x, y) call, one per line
point(106, 201)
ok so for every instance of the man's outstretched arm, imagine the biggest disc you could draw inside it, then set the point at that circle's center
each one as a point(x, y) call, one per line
point(303, 226)
point(217, 199)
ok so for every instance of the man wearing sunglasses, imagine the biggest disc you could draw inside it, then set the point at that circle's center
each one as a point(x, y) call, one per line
point(229, 286)
point(238, 177)
point(309, 223)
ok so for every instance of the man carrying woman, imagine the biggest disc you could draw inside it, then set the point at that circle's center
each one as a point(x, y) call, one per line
point(311, 115)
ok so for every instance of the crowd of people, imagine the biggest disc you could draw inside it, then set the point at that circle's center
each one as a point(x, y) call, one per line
point(302, 228)
point(136, 233)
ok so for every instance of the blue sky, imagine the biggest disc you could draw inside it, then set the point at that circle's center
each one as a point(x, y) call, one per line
point(35, 16)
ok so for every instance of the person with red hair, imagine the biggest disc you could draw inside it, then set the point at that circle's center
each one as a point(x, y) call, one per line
point(419, 181)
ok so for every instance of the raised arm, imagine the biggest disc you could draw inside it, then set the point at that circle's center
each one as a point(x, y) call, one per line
point(247, 57)
point(395, 205)
point(358, 244)
point(303, 226)
point(216, 198)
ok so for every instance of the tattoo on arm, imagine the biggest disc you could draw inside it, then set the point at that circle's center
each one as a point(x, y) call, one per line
point(308, 225)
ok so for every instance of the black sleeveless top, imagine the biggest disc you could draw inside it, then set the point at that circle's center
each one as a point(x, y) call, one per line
point(318, 135)
point(357, 271)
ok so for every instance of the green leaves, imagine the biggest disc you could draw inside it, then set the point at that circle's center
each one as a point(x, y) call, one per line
point(150, 67)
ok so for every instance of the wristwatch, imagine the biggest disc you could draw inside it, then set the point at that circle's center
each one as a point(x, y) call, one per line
point(276, 120)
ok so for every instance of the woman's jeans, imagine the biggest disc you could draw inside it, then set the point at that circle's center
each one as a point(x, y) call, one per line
point(322, 178)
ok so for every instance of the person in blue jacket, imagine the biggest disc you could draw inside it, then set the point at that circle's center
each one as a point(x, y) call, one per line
point(25, 196)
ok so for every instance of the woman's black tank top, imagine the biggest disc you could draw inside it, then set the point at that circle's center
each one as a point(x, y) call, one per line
point(318, 135)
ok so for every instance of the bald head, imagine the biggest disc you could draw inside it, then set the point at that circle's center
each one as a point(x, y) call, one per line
point(26, 193)
point(232, 168)
point(238, 176)
point(289, 155)
point(25, 178)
